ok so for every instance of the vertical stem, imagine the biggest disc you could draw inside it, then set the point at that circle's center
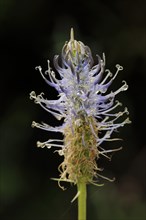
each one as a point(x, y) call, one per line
point(82, 201)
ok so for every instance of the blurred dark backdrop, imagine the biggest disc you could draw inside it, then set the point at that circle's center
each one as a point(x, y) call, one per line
point(33, 31)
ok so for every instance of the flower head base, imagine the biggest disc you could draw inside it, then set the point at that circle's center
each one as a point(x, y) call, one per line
point(80, 151)
point(87, 110)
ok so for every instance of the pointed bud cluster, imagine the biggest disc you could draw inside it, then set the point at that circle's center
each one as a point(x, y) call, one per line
point(76, 55)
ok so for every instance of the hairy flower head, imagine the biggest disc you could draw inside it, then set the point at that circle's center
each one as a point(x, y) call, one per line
point(87, 107)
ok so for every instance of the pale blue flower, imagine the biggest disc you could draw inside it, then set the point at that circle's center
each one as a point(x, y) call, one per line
point(84, 92)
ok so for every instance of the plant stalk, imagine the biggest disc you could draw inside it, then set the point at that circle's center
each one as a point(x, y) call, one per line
point(81, 187)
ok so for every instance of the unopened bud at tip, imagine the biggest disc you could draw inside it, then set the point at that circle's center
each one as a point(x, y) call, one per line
point(71, 34)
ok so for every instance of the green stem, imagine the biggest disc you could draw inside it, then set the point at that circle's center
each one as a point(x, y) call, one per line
point(82, 201)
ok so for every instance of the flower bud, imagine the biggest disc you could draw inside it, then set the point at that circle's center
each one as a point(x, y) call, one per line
point(75, 53)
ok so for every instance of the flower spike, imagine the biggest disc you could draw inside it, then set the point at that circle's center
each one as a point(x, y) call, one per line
point(88, 108)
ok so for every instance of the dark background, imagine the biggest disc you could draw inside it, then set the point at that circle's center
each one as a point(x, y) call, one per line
point(33, 31)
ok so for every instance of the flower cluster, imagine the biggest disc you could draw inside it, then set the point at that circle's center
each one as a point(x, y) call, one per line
point(88, 110)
